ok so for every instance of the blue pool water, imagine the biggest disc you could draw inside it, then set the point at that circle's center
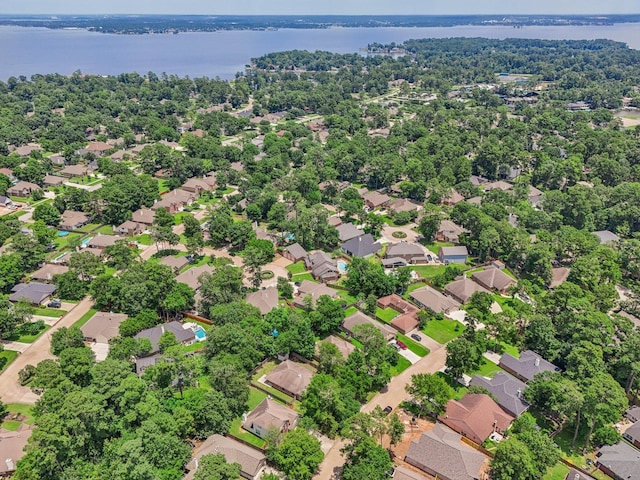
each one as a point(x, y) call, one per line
point(85, 242)
point(342, 266)
point(201, 335)
point(63, 233)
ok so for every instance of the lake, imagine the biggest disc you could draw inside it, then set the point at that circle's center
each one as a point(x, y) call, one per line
point(27, 51)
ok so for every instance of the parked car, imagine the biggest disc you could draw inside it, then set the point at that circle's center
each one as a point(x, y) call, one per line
point(55, 303)
point(388, 409)
point(416, 337)
point(401, 345)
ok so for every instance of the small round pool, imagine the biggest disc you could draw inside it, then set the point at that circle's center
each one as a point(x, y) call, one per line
point(63, 233)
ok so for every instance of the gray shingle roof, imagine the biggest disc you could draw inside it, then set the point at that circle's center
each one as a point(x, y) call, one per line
point(183, 335)
point(528, 365)
point(362, 246)
point(621, 459)
point(33, 292)
point(347, 231)
point(507, 389)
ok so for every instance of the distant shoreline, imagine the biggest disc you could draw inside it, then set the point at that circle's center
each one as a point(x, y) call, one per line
point(174, 24)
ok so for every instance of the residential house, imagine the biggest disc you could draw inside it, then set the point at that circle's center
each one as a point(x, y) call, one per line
point(534, 196)
point(403, 473)
point(431, 299)
point(289, 377)
point(251, 460)
point(411, 253)
point(313, 291)
point(22, 189)
point(449, 255)
point(359, 318)
point(605, 236)
point(463, 289)
point(373, 200)
point(7, 172)
point(57, 160)
point(449, 232)
point(25, 150)
point(633, 414)
point(270, 416)
point(130, 228)
point(5, 201)
point(323, 267)
point(184, 335)
point(499, 185)
point(441, 453)
point(404, 205)
point(527, 366)
point(577, 475)
point(142, 363)
point(46, 273)
point(53, 180)
point(632, 434)
point(347, 231)
point(144, 216)
point(175, 200)
point(12, 444)
point(72, 220)
point(98, 148)
point(363, 246)
point(334, 221)
point(476, 416)
point(176, 263)
point(507, 390)
point(33, 292)
point(264, 300)
point(102, 241)
point(408, 318)
point(101, 328)
point(295, 253)
point(559, 275)
point(453, 198)
point(75, 171)
point(477, 180)
point(493, 278)
point(345, 347)
point(196, 186)
point(191, 277)
point(620, 461)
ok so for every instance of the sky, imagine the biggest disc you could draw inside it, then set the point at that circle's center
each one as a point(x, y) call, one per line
point(311, 7)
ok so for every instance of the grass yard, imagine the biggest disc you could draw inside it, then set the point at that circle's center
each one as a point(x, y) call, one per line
point(487, 369)
point(558, 472)
point(386, 314)
point(412, 287)
point(511, 350)
point(255, 397)
point(89, 227)
point(105, 230)
point(85, 318)
point(435, 246)
point(429, 271)
point(144, 239)
point(301, 277)
point(163, 186)
point(30, 338)
point(349, 311)
point(347, 297)
point(443, 331)
point(62, 242)
point(508, 304)
point(6, 358)
point(402, 365)
point(459, 389)
point(414, 346)
point(296, 268)
point(49, 312)
point(18, 408)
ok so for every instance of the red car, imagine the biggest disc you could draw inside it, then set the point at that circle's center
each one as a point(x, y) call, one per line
point(401, 345)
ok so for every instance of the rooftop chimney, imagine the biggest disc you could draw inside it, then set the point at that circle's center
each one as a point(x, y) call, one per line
point(537, 362)
point(10, 466)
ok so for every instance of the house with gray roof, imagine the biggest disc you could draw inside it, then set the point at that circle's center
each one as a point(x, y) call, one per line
point(577, 475)
point(411, 253)
point(270, 415)
point(191, 277)
point(130, 228)
point(463, 289)
point(363, 246)
point(176, 263)
point(431, 299)
point(289, 377)
point(347, 231)
point(449, 255)
point(144, 216)
point(72, 220)
point(620, 461)
point(632, 434)
point(507, 390)
point(33, 292)
point(527, 366)
point(314, 291)
point(48, 271)
point(12, 446)
point(184, 336)
point(440, 452)
point(345, 347)
point(22, 189)
point(605, 236)
point(323, 267)
point(403, 473)
point(251, 460)
point(295, 253)
point(449, 232)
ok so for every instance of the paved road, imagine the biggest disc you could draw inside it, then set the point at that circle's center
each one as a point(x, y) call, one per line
point(10, 390)
point(393, 395)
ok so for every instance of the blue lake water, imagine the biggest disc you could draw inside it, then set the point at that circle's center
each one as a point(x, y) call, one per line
point(27, 51)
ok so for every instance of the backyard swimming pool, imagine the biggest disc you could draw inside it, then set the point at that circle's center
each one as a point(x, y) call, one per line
point(201, 335)
point(342, 266)
point(85, 242)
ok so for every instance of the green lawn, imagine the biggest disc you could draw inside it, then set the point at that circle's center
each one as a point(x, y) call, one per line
point(30, 338)
point(443, 331)
point(350, 299)
point(296, 268)
point(144, 239)
point(412, 287)
point(487, 369)
point(459, 389)
point(255, 397)
point(301, 277)
point(402, 365)
point(435, 246)
point(163, 186)
point(49, 312)
point(429, 271)
point(62, 242)
point(85, 318)
point(6, 358)
point(386, 314)
point(89, 227)
point(511, 350)
point(21, 408)
point(349, 311)
point(558, 472)
point(414, 346)
point(105, 230)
